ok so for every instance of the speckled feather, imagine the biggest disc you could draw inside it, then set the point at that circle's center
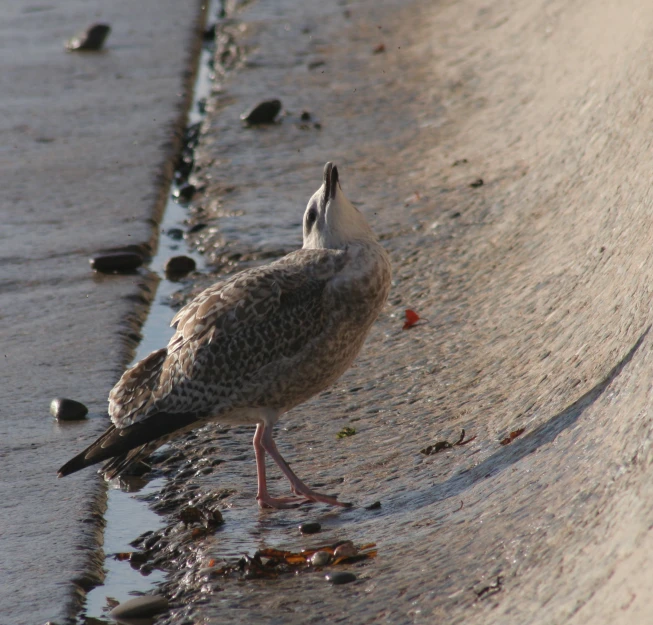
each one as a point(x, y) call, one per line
point(272, 337)
point(249, 348)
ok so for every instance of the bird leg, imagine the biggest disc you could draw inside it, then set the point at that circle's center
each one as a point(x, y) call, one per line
point(262, 496)
point(263, 442)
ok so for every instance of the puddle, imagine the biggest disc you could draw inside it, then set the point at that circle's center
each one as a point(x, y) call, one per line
point(127, 515)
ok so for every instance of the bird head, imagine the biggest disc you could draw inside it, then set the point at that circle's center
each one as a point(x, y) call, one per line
point(331, 221)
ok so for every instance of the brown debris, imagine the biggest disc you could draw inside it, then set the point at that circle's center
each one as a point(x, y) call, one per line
point(269, 563)
point(442, 445)
point(512, 436)
point(490, 589)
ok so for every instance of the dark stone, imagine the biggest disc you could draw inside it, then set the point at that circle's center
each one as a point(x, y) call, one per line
point(263, 113)
point(67, 409)
point(339, 577)
point(477, 183)
point(178, 266)
point(310, 528)
point(305, 116)
point(209, 33)
point(184, 192)
point(140, 607)
point(91, 39)
point(116, 262)
point(196, 228)
point(373, 506)
point(137, 558)
point(176, 234)
point(316, 64)
point(460, 161)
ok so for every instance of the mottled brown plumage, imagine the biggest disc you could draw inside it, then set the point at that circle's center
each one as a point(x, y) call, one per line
point(252, 347)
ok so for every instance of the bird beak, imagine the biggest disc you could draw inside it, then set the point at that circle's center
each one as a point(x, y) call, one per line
point(330, 181)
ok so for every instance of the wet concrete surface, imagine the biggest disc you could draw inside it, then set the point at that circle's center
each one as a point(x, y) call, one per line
point(534, 285)
point(88, 146)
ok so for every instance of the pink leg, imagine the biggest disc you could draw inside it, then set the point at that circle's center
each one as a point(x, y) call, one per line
point(265, 440)
point(262, 496)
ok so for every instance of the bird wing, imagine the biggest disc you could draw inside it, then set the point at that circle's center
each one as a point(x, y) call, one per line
point(226, 335)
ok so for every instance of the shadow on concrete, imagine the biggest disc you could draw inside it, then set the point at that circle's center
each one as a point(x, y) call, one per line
point(522, 447)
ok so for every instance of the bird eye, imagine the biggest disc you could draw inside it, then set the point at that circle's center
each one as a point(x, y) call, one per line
point(311, 216)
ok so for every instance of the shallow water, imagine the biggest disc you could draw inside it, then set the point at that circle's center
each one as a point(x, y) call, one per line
point(127, 515)
point(124, 515)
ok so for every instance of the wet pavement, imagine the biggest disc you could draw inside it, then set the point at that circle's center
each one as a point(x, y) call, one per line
point(503, 158)
point(533, 287)
point(88, 146)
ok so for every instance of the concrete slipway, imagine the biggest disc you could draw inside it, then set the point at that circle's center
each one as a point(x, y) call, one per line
point(535, 285)
point(87, 152)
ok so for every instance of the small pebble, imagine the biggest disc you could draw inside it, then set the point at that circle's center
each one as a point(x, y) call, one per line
point(196, 228)
point(176, 234)
point(477, 183)
point(310, 528)
point(116, 262)
point(209, 33)
point(337, 578)
point(184, 192)
point(137, 557)
point(178, 266)
point(263, 113)
point(320, 558)
point(346, 550)
point(91, 39)
point(140, 607)
point(305, 116)
point(376, 505)
point(64, 409)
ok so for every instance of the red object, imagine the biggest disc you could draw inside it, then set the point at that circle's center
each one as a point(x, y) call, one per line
point(411, 319)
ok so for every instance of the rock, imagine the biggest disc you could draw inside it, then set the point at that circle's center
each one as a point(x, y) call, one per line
point(140, 607)
point(137, 558)
point(373, 506)
point(116, 262)
point(320, 558)
point(64, 409)
point(477, 183)
point(346, 550)
point(305, 116)
point(196, 228)
point(176, 234)
point(336, 578)
point(178, 266)
point(91, 39)
point(310, 528)
point(263, 113)
point(209, 33)
point(184, 192)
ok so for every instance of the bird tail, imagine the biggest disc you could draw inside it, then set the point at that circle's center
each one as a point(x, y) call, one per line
point(130, 443)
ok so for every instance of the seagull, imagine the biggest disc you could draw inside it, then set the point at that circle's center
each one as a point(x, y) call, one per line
point(248, 349)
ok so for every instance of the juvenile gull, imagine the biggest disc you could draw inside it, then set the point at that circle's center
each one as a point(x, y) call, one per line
point(250, 348)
